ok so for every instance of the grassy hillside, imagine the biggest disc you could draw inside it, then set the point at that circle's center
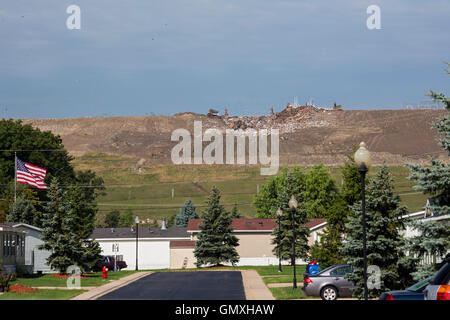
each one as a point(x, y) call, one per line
point(148, 190)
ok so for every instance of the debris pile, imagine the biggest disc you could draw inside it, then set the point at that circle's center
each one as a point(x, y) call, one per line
point(288, 120)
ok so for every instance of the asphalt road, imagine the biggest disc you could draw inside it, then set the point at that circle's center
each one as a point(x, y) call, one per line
point(194, 285)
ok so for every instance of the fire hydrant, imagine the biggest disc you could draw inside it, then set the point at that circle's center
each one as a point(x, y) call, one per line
point(105, 272)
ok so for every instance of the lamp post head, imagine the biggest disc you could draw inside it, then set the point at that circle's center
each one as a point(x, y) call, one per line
point(293, 202)
point(279, 212)
point(136, 220)
point(362, 157)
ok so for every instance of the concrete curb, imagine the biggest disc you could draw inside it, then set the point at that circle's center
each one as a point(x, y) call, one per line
point(62, 288)
point(97, 292)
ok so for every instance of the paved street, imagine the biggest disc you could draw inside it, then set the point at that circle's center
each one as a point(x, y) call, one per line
point(201, 285)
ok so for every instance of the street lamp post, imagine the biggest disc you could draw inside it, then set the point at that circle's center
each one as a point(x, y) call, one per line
point(293, 205)
point(279, 213)
point(137, 236)
point(362, 160)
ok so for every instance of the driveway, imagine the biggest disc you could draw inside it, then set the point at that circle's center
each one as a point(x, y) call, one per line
point(192, 285)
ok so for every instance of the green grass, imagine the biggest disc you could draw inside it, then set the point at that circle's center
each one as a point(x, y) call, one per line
point(48, 294)
point(149, 194)
point(287, 293)
point(280, 279)
point(92, 279)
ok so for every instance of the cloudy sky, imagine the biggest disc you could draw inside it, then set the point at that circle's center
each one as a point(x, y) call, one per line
point(167, 56)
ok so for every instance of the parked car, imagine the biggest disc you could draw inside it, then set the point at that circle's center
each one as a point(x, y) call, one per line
point(330, 283)
point(439, 285)
point(415, 292)
point(108, 262)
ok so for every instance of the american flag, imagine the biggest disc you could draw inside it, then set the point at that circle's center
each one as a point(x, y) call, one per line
point(29, 174)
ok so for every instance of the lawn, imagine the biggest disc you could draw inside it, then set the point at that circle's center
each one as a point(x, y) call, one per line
point(48, 294)
point(286, 293)
point(281, 279)
point(93, 279)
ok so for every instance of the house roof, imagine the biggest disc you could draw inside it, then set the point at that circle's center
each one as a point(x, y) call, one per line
point(22, 224)
point(258, 224)
point(144, 232)
point(6, 227)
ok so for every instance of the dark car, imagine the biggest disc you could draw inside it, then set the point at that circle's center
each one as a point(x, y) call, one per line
point(439, 286)
point(108, 262)
point(415, 292)
point(330, 283)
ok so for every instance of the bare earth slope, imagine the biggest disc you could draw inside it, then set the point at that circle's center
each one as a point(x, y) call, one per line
point(308, 135)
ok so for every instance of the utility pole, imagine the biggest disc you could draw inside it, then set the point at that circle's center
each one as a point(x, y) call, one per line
point(15, 176)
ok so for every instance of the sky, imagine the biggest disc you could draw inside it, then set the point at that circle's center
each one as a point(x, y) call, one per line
point(161, 57)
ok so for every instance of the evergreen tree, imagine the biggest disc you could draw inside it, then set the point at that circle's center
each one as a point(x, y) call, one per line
point(216, 243)
point(187, 211)
point(431, 241)
point(112, 219)
point(435, 180)
point(234, 212)
point(58, 231)
point(283, 244)
point(22, 211)
point(383, 212)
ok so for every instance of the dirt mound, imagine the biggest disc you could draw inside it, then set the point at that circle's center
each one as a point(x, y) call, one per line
point(308, 135)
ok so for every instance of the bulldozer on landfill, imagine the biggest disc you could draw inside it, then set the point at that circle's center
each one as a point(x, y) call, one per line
point(212, 113)
point(337, 107)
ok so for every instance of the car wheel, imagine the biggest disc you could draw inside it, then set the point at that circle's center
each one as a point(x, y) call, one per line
point(329, 293)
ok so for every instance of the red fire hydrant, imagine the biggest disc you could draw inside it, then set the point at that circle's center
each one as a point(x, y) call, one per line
point(105, 272)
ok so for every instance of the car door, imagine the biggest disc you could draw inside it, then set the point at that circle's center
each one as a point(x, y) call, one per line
point(344, 286)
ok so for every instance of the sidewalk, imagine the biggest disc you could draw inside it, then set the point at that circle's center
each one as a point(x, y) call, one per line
point(97, 292)
point(254, 287)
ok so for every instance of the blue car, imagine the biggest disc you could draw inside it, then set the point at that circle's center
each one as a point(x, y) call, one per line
point(415, 292)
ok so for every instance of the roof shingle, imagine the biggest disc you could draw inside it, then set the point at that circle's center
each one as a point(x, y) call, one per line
point(258, 224)
point(144, 232)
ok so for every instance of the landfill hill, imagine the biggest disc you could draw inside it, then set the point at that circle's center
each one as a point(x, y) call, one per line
point(308, 135)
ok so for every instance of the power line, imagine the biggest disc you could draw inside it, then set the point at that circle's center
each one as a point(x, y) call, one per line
point(31, 150)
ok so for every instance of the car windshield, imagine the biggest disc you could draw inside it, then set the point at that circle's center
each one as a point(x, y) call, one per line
point(419, 286)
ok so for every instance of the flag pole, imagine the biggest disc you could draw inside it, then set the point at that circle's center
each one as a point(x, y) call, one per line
point(15, 175)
